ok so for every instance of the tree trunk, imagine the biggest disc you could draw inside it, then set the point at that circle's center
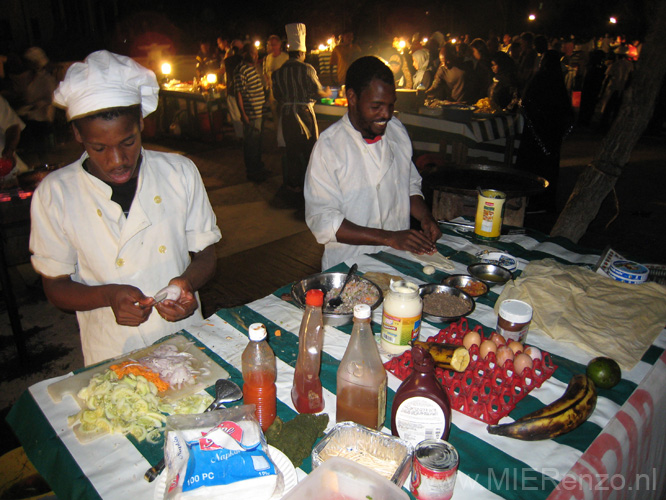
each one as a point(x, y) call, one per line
point(600, 176)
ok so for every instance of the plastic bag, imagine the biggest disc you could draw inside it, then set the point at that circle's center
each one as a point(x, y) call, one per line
point(220, 454)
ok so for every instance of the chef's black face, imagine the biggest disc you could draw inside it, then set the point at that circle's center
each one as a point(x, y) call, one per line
point(114, 146)
point(370, 112)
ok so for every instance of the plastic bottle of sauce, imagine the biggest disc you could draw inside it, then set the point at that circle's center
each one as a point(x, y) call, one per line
point(514, 320)
point(401, 318)
point(259, 371)
point(306, 392)
point(421, 408)
point(361, 378)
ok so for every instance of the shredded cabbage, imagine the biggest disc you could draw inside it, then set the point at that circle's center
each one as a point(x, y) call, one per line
point(129, 405)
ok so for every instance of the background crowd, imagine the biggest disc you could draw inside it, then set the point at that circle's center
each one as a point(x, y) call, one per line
point(554, 82)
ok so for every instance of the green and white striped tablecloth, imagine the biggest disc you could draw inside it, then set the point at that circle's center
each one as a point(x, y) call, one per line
point(621, 447)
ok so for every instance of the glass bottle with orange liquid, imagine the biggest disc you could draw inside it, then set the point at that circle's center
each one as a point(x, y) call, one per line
point(259, 372)
point(361, 378)
point(306, 392)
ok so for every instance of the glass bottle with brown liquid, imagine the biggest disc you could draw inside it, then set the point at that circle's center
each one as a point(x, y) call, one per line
point(361, 378)
point(306, 393)
point(421, 408)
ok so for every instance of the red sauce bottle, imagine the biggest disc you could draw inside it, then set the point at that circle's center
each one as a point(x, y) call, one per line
point(421, 408)
point(306, 392)
point(259, 372)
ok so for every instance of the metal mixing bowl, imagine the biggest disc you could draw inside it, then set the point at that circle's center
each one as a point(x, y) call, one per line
point(490, 274)
point(326, 282)
point(460, 281)
point(448, 290)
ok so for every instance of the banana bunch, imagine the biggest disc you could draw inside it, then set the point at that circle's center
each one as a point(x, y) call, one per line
point(561, 416)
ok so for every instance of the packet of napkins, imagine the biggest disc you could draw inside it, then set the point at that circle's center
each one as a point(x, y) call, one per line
point(220, 454)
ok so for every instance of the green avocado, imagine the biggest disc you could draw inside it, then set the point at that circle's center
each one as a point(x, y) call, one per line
point(604, 372)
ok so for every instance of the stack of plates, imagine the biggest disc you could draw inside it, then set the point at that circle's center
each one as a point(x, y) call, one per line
point(627, 271)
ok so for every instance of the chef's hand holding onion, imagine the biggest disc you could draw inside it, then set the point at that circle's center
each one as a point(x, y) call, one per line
point(183, 306)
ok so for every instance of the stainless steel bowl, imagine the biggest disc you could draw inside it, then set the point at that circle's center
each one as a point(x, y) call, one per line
point(326, 282)
point(448, 290)
point(490, 274)
point(460, 281)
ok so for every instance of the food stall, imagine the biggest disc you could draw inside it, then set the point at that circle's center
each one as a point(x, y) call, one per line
point(463, 137)
point(185, 109)
point(620, 447)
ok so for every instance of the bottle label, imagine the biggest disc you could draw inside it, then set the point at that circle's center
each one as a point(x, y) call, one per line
point(381, 405)
point(420, 418)
point(511, 335)
point(400, 331)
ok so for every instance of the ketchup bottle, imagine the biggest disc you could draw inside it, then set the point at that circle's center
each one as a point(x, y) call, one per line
point(421, 408)
point(259, 371)
point(306, 392)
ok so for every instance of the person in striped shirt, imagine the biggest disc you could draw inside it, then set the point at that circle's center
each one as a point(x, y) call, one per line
point(251, 99)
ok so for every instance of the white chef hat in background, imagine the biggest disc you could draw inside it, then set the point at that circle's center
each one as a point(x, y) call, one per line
point(106, 80)
point(296, 37)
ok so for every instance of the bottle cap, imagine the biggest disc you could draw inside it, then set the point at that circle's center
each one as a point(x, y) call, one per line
point(257, 332)
point(362, 311)
point(314, 298)
point(515, 311)
point(422, 360)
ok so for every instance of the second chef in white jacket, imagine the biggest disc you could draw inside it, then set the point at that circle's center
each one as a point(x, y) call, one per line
point(361, 185)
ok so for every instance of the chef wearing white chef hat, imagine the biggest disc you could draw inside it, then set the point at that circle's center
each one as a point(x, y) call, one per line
point(119, 224)
point(296, 87)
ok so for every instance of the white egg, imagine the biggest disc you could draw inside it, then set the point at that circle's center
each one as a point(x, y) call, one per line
point(428, 270)
point(533, 352)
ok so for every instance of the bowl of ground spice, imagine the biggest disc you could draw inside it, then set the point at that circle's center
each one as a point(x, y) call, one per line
point(444, 304)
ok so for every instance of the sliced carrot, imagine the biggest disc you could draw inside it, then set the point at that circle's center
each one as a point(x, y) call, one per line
point(127, 367)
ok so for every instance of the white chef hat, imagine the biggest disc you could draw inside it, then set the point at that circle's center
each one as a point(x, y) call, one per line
point(106, 80)
point(296, 37)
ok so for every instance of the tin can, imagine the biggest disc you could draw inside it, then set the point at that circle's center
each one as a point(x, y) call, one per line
point(434, 468)
point(489, 214)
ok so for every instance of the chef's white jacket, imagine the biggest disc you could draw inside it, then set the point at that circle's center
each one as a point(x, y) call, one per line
point(367, 184)
point(78, 231)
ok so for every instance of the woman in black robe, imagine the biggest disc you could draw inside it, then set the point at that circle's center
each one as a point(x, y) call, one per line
point(548, 115)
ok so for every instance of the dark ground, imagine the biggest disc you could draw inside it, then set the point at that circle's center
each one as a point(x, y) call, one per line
point(634, 225)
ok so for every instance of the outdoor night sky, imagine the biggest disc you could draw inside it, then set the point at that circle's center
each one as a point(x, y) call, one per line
point(185, 22)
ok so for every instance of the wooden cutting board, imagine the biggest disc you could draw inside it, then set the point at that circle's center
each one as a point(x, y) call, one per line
point(72, 385)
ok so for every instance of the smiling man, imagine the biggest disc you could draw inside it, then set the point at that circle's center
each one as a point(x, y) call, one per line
point(361, 185)
point(119, 224)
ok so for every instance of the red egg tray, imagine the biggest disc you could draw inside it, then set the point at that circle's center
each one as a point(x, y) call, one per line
point(484, 391)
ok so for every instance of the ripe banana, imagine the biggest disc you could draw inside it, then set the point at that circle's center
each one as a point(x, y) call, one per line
point(561, 416)
point(447, 356)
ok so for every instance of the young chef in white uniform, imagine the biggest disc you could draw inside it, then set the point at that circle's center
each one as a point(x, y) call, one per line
point(361, 185)
point(119, 224)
